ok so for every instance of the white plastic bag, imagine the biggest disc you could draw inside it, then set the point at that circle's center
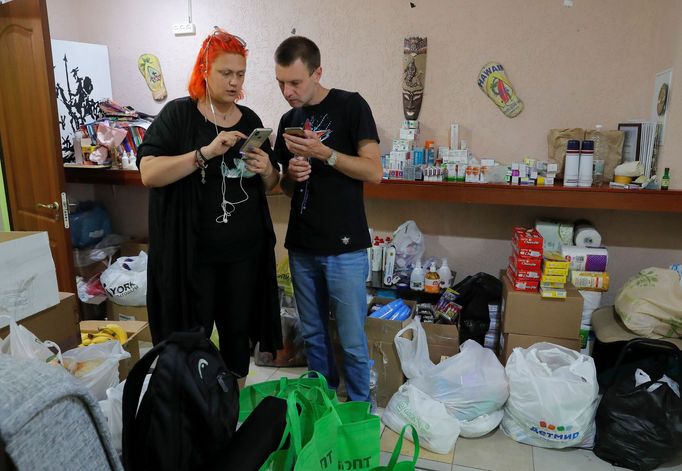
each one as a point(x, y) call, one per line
point(96, 365)
point(481, 425)
point(112, 408)
point(21, 343)
point(470, 384)
point(553, 397)
point(437, 430)
point(125, 281)
point(414, 352)
point(409, 245)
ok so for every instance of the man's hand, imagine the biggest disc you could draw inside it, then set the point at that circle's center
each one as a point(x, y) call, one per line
point(309, 146)
point(299, 169)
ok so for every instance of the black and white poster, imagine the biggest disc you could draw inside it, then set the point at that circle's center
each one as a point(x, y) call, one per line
point(82, 79)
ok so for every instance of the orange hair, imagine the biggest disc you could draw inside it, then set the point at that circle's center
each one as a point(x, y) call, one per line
point(216, 43)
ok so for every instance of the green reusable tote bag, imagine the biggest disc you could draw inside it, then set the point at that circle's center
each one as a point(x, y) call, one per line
point(393, 464)
point(251, 396)
point(358, 441)
point(312, 436)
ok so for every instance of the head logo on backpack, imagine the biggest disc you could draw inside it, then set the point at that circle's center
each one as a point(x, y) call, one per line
point(189, 412)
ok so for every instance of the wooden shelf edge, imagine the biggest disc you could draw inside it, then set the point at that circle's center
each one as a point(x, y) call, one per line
point(602, 197)
point(102, 176)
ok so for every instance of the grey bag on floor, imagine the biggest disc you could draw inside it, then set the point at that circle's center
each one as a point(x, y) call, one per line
point(48, 420)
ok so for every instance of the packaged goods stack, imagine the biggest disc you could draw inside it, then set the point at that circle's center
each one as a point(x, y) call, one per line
point(493, 334)
point(525, 264)
point(554, 276)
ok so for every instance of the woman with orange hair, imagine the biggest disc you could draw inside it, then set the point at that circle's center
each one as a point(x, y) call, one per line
point(211, 240)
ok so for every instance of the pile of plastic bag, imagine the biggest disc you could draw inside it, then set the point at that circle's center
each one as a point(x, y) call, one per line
point(463, 394)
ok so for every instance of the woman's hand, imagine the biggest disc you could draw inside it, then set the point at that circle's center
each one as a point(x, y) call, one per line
point(258, 161)
point(222, 143)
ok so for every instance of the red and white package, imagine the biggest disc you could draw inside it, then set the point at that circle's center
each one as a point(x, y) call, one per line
point(526, 263)
point(522, 285)
point(522, 273)
point(527, 239)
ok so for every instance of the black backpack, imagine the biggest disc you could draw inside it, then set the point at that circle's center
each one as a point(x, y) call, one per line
point(188, 414)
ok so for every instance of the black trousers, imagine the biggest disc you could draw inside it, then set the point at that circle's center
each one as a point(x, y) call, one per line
point(227, 299)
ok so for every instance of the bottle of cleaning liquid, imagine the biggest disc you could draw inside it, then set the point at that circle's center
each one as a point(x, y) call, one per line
point(445, 275)
point(417, 277)
point(432, 280)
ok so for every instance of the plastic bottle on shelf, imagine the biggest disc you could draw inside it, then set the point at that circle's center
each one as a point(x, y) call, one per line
point(373, 384)
point(600, 154)
point(432, 280)
point(445, 274)
point(572, 165)
point(417, 277)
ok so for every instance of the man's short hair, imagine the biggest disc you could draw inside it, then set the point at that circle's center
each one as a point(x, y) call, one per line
point(298, 47)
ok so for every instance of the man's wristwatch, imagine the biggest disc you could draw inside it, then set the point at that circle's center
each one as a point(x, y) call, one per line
point(331, 161)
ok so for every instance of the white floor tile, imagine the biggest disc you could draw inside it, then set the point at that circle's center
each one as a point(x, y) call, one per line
point(258, 374)
point(292, 373)
point(425, 465)
point(494, 452)
point(456, 467)
point(568, 459)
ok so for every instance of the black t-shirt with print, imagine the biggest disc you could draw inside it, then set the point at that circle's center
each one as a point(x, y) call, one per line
point(180, 128)
point(327, 214)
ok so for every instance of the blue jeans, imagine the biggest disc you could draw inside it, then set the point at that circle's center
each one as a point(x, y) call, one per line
point(334, 283)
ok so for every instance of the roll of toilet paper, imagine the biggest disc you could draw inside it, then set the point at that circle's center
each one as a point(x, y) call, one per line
point(586, 236)
point(586, 258)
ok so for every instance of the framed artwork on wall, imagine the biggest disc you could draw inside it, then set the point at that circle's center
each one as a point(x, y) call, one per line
point(660, 102)
point(631, 144)
point(82, 79)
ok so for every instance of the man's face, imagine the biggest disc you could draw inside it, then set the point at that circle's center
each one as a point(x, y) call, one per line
point(297, 84)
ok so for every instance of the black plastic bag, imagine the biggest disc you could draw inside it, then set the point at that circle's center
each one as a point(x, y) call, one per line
point(475, 293)
point(636, 428)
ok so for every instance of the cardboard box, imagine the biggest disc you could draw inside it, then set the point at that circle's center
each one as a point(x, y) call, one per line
point(116, 312)
point(133, 247)
point(132, 346)
point(57, 323)
point(380, 334)
point(443, 340)
point(28, 280)
point(530, 314)
point(510, 341)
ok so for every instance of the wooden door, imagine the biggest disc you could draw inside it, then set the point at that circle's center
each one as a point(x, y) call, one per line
point(29, 131)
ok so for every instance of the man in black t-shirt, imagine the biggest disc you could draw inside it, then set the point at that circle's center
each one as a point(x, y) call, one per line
point(324, 167)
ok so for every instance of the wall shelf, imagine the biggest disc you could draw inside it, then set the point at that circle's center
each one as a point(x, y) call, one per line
point(601, 197)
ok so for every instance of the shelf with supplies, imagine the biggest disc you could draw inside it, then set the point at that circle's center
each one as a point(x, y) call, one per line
point(596, 197)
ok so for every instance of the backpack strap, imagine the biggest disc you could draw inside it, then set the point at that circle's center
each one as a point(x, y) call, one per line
point(131, 398)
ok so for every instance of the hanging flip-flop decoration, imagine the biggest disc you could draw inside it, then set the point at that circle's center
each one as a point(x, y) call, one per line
point(494, 82)
point(150, 68)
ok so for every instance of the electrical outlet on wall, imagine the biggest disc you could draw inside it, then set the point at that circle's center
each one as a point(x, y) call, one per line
point(568, 3)
point(184, 29)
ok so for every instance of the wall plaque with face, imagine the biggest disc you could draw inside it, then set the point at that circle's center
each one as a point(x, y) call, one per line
point(414, 72)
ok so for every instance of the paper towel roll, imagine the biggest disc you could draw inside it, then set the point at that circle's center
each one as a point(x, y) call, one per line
point(586, 236)
point(586, 258)
point(591, 300)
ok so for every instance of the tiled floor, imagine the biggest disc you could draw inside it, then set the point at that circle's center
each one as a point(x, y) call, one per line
point(494, 452)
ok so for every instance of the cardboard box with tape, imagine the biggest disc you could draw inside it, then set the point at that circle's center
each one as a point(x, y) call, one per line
point(116, 312)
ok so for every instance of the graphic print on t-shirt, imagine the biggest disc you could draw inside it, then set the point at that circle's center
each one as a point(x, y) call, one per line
point(321, 128)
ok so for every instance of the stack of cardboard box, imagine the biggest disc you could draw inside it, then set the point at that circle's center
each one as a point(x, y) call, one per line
point(528, 318)
point(526, 260)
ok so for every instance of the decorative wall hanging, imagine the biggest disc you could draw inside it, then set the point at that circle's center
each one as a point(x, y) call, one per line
point(150, 68)
point(414, 72)
point(494, 82)
point(82, 79)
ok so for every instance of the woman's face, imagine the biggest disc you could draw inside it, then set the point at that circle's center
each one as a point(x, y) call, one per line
point(226, 78)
